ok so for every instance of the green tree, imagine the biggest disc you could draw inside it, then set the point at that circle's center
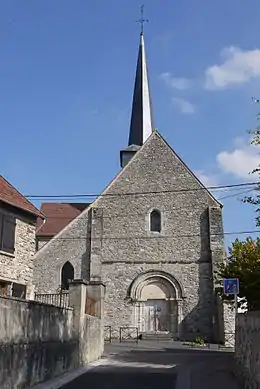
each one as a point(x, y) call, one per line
point(244, 263)
point(255, 200)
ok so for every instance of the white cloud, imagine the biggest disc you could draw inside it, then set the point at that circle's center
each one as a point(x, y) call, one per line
point(184, 106)
point(176, 83)
point(238, 67)
point(206, 179)
point(241, 160)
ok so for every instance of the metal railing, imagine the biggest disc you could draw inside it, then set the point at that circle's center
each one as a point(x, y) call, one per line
point(108, 334)
point(57, 299)
point(128, 333)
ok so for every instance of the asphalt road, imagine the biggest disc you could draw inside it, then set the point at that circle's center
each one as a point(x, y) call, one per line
point(144, 366)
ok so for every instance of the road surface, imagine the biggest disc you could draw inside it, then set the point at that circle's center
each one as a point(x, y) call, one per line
point(157, 365)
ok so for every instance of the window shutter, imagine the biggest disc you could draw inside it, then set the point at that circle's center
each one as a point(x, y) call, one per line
point(8, 234)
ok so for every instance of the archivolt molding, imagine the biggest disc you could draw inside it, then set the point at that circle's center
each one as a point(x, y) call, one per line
point(134, 291)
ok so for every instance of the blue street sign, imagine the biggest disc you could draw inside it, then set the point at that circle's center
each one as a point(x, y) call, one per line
point(231, 286)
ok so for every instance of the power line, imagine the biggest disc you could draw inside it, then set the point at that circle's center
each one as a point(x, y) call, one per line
point(223, 190)
point(122, 215)
point(235, 194)
point(157, 236)
point(244, 184)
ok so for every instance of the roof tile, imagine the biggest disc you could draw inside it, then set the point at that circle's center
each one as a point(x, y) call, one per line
point(10, 195)
point(58, 216)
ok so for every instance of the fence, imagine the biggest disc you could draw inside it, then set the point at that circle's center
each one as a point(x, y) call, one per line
point(57, 299)
point(128, 333)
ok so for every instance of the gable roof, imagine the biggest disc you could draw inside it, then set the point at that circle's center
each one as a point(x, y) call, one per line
point(153, 134)
point(189, 170)
point(121, 172)
point(10, 195)
point(58, 216)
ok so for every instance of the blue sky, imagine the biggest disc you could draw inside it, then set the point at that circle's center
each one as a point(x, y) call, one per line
point(66, 81)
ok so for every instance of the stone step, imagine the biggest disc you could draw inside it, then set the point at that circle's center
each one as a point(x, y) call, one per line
point(158, 336)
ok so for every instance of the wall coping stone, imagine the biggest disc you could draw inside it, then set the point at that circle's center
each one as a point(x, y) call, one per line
point(85, 282)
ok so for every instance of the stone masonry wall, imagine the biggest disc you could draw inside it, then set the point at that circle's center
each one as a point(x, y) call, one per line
point(125, 246)
point(247, 349)
point(18, 267)
point(69, 245)
point(37, 342)
point(112, 239)
point(41, 241)
point(196, 309)
point(40, 341)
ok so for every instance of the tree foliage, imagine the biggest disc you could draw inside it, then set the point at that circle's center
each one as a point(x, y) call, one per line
point(244, 256)
point(244, 263)
point(255, 200)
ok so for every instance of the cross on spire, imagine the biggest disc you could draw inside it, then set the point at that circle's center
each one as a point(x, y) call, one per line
point(142, 20)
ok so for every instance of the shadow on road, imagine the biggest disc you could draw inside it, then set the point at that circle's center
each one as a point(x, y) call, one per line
point(136, 367)
point(123, 378)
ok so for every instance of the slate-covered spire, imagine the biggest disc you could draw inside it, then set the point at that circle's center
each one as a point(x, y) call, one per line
point(141, 120)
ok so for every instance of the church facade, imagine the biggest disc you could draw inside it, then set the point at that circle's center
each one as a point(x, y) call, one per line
point(153, 237)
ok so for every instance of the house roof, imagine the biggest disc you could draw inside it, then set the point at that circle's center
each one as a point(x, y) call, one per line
point(11, 196)
point(58, 216)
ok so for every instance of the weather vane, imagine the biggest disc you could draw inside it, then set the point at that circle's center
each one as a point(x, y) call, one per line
point(142, 20)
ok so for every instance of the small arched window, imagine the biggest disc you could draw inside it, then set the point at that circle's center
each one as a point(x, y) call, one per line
point(67, 275)
point(155, 221)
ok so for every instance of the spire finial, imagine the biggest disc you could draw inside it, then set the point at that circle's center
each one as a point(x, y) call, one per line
point(142, 20)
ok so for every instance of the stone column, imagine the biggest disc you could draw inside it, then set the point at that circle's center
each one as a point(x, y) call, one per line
point(229, 317)
point(171, 316)
point(218, 255)
point(30, 292)
point(79, 291)
point(179, 303)
point(96, 244)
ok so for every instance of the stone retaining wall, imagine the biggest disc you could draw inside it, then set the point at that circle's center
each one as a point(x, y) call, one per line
point(247, 349)
point(40, 341)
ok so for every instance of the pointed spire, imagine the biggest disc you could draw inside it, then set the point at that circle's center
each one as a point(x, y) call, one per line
point(141, 120)
point(141, 125)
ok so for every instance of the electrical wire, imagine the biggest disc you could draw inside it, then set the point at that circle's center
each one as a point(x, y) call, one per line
point(235, 194)
point(121, 215)
point(177, 236)
point(244, 184)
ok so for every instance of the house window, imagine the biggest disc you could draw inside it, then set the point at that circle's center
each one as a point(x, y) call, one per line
point(155, 221)
point(19, 291)
point(67, 275)
point(7, 233)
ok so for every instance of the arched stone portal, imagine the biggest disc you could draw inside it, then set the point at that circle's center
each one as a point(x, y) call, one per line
point(157, 297)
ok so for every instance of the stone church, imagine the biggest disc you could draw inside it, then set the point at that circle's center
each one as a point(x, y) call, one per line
point(153, 236)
